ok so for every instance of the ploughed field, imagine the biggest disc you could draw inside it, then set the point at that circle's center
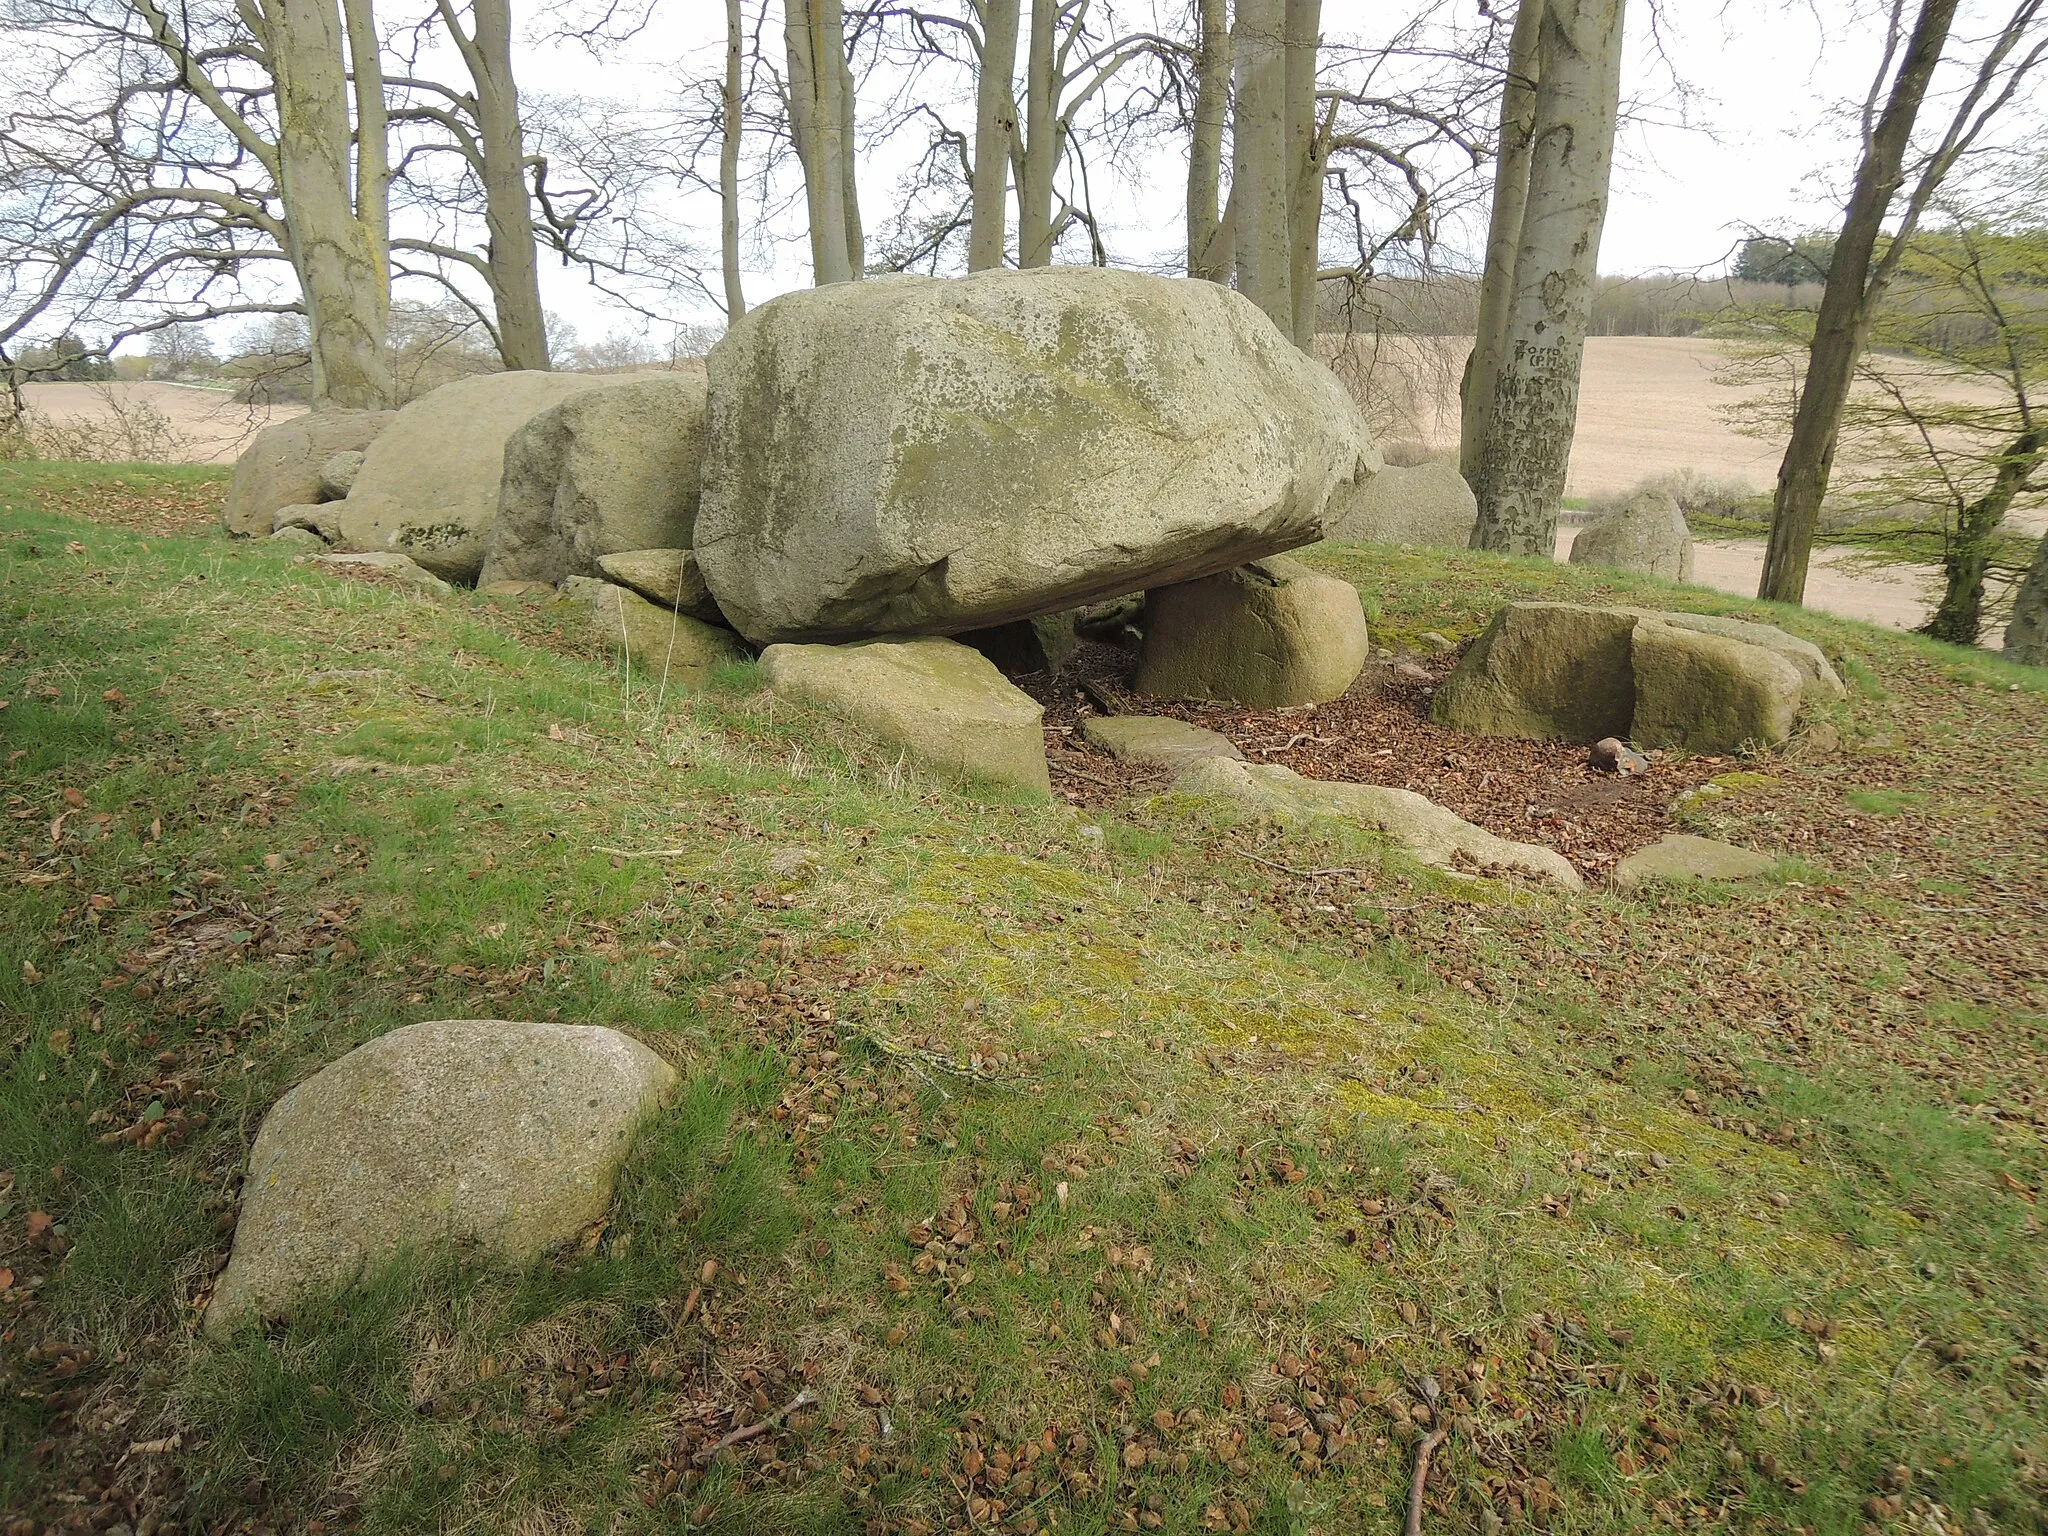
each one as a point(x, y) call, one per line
point(1084, 1167)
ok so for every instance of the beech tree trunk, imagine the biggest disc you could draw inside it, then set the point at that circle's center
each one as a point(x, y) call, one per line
point(1843, 325)
point(995, 128)
point(341, 262)
point(508, 204)
point(1041, 138)
point(1960, 616)
point(1262, 183)
point(729, 163)
point(1528, 446)
point(1503, 236)
point(2026, 637)
point(820, 113)
point(1306, 152)
point(1206, 258)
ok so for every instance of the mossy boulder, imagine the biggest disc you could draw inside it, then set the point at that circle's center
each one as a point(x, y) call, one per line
point(668, 578)
point(1158, 741)
point(1416, 504)
point(2026, 637)
point(1681, 856)
point(505, 1135)
point(1426, 830)
point(1560, 671)
point(1710, 693)
point(1269, 633)
point(942, 703)
point(1549, 671)
point(603, 472)
point(655, 641)
point(1647, 534)
point(926, 455)
point(282, 466)
point(430, 482)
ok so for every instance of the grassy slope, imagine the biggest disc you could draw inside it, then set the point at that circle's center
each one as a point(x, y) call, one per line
point(1085, 1181)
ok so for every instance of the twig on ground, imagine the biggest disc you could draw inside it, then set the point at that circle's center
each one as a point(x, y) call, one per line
point(646, 853)
point(1101, 698)
point(1893, 1381)
point(1423, 1453)
point(1318, 874)
point(750, 1431)
point(1073, 772)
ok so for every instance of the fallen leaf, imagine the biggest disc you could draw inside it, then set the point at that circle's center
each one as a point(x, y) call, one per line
point(556, 733)
point(38, 1224)
point(29, 973)
point(74, 798)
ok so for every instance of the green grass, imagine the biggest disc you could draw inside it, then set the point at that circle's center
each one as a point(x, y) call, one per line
point(1705, 1208)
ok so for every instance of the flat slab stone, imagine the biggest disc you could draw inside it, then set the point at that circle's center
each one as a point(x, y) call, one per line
point(401, 567)
point(500, 1133)
point(668, 577)
point(1681, 856)
point(1158, 740)
point(1428, 831)
point(944, 704)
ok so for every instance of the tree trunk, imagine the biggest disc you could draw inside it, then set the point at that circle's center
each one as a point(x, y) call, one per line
point(1536, 399)
point(1205, 154)
point(1261, 184)
point(1843, 324)
point(995, 126)
point(1305, 156)
point(373, 144)
point(2026, 637)
point(1503, 236)
point(341, 270)
point(848, 152)
point(1960, 617)
point(729, 163)
point(1041, 138)
point(818, 127)
point(508, 204)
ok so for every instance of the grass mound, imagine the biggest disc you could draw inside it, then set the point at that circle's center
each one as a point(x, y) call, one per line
point(1038, 1168)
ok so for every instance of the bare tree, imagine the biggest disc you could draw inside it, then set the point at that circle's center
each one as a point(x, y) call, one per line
point(1521, 469)
point(731, 106)
point(1208, 231)
point(167, 158)
point(821, 120)
point(1858, 275)
point(1514, 144)
point(995, 131)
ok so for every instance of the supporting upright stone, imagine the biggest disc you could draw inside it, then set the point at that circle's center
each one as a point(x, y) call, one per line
point(1270, 633)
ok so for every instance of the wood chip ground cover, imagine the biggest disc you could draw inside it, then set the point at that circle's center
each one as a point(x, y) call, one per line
point(1036, 1169)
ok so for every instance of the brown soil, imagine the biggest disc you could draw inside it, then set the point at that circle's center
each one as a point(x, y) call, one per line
point(1380, 733)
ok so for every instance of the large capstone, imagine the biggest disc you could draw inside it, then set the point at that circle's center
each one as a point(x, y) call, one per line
point(923, 455)
point(1271, 633)
point(603, 472)
point(430, 483)
point(505, 1135)
point(943, 704)
point(282, 465)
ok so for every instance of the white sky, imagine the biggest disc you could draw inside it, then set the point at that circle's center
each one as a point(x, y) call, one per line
point(1738, 123)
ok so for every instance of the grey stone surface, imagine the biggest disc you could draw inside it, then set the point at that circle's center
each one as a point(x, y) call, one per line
point(942, 703)
point(298, 538)
point(1159, 741)
point(1646, 534)
point(656, 641)
point(1550, 671)
point(911, 454)
point(1710, 693)
point(604, 472)
point(1681, 856)
point(338, 473)
point(316, 518)
point(399, 567)
point(1432, 834)
point(1421, 504)
point(668, 577)
point(1269, 633)
point(281, 466)
point(430, 482)
point(503, 1134)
